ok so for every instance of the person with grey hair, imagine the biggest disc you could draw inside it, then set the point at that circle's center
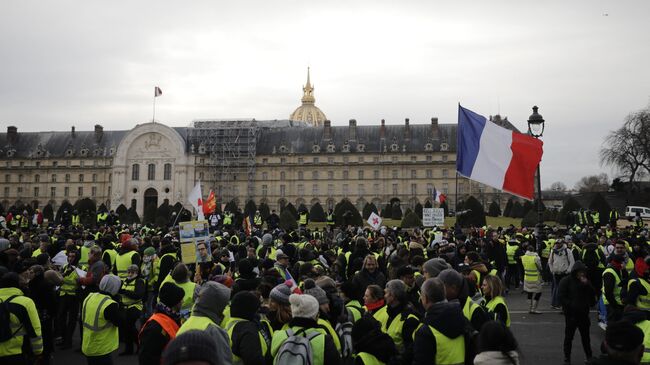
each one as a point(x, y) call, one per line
point(97, 270)
point(100, 318)
point(440, 340)
point(457, 290)
point(400, 319)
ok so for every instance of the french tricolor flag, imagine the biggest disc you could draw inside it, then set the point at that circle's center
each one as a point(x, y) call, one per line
point(496, 156)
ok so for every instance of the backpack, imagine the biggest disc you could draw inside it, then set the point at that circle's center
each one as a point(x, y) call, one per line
point(296, 349)
point(5, 321)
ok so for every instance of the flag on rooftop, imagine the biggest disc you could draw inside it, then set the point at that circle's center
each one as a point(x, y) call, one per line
point(157, 92)
point(496, 156)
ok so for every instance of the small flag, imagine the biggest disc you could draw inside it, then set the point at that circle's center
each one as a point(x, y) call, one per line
point(496, 156)
point(210, 204)
point(438, 197)
point(157, 92)
point(374, 221)
point(196, 199)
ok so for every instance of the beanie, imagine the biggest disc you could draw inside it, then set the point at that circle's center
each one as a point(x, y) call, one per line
point(192, 346)
point(170, 294)
point(244, 305)
point(110, 284)
point(281, 293)
point(434, 266)
point(149, 251)
point(4, 244)
point(315, 291)
point(267, 239)
point(246, 269)
point(623, 336)
point(303, 306)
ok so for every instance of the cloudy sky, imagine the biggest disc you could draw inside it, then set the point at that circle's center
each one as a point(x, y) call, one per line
point(586, 64)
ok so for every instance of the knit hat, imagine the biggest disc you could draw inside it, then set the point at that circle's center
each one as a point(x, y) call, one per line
point(451, 277)
point(315, 291)
point(435, 266)
point(110, 284)
point(303, 306)
point(246, 269)
point(149, 251)
point(244, 305)
point(170, 294)
point(281, 293)
point(192, 346)
point(267, 239)
point(4, 244)
point(623, 336)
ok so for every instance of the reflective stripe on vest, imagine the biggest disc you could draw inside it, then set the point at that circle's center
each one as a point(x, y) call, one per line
point(369, 359)
point(100, 337)
point(643, 301)
point(510, 252)
point(469, 308)
point(448, 351)
point(195, 323)
point(168, 325)
point(617, 286)
point(69, 286)
point(395, 328)
point(130, 302)
point(122, 263)
point(531, 274)
point(492, 304)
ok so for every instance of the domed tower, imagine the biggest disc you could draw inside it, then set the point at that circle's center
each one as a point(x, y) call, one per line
point(308, 112)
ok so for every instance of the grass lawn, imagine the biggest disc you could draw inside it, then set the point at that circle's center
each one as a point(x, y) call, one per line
point(449, 222)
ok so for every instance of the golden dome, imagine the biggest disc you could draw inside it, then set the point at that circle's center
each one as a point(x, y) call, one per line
point(308, 112)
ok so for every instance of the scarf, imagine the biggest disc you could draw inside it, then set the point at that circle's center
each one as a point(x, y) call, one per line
point(376, 305)
point(161, 308)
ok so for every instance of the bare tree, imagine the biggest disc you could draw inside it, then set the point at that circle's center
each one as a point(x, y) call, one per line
point(558, 186)
point(628, 148)
point(593, 183)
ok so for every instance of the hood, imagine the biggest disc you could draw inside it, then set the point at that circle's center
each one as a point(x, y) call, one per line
point(561, 249)
point(480, 267)
point(446, 317)
point(212, 300)
point(578, 266)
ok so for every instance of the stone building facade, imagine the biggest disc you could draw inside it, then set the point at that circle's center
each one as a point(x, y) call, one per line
point(303, 160)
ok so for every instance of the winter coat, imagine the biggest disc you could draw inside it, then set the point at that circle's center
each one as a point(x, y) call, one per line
point(560, 261)
point(496, 358)
point(364, 278)
point(377, 344)
point(575, 296)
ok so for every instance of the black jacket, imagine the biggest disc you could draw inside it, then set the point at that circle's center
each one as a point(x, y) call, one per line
point(575, 296)
point(377, 344)
point(153, 340)
point(445, 317)
point(246, 343)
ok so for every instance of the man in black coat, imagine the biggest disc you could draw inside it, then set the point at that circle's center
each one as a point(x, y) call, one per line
point(162, 326)
point(576, 295)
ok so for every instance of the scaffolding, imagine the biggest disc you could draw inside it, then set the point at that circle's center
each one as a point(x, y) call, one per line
point(231, 146)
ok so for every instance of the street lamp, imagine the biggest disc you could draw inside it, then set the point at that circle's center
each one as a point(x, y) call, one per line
point(536, 129)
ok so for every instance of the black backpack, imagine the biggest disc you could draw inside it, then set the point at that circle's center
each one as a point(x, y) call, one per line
point(5, 321)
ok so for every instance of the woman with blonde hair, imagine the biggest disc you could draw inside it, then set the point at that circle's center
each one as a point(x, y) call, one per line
point(369, 274)
point(495, 304)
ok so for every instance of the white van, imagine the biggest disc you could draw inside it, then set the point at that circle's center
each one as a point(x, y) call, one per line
point(631, 210)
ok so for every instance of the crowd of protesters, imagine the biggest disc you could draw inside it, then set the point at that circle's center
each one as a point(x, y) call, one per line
point(335, 295)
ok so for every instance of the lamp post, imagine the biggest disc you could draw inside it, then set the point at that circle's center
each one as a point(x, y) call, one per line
point(536, 129)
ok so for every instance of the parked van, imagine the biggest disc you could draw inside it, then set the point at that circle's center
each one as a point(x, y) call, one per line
point(631, 210)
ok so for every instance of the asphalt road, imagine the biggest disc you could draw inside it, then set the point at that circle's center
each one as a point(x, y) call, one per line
point(540, 336)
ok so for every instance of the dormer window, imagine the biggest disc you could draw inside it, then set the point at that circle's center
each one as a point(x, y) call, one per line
point(361, 147)
point(394, 147)
point(69, 152)
point(283, 149)
point(315, 148)
point(444, 146)
point(331, 148)
point(428, 147)
point(345, 148)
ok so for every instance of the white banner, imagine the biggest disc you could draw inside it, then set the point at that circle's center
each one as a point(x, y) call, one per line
point(433, 217)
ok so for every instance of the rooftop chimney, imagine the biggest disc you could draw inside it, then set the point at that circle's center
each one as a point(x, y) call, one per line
point(99, 132)
point(435, 132)
point(12, 134)
point(407, 129)
point(72, 132)
point(327, 130)
point(382, 129)
point(353, 130)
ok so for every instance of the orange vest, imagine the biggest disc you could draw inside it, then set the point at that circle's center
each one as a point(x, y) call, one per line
point(168, 325)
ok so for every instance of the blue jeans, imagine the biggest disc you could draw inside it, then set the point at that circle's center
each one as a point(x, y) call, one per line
point(602, 310)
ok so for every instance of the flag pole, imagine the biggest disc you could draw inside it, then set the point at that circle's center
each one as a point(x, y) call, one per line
point(153, 118)
point(456, 194)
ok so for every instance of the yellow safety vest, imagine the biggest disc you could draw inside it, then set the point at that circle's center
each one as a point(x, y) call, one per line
point(130, 302)
point(617, 286)
point(257, 220)
point(227, 219)
point(83, 257)
point(369, 359)
point(448, 351)
point(100, 337)
point(510, 252)
point(188, 288)
point(75, 220)
point(643, 301)
point(355, 308)
point(37, 252)
point(394, 330)
point(317, 343)
point(645, 327)
point(101, 217)
point(330, 219)
point(199, 323)
point(14, 345)
point(303, 218)
point(469, 308)
point(531, 273)
point(381, 316)
point(230, 328)
point(122, 263)
point(69, 286)
point(492, 304)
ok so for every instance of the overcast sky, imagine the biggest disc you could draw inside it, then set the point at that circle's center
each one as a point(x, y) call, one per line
point(586, 64)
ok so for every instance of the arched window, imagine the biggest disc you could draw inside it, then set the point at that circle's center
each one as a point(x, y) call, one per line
point(151, 172)
point(168, 171)
point(135, 172)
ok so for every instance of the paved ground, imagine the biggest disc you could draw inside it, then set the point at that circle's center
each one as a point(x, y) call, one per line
point(540, 336)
